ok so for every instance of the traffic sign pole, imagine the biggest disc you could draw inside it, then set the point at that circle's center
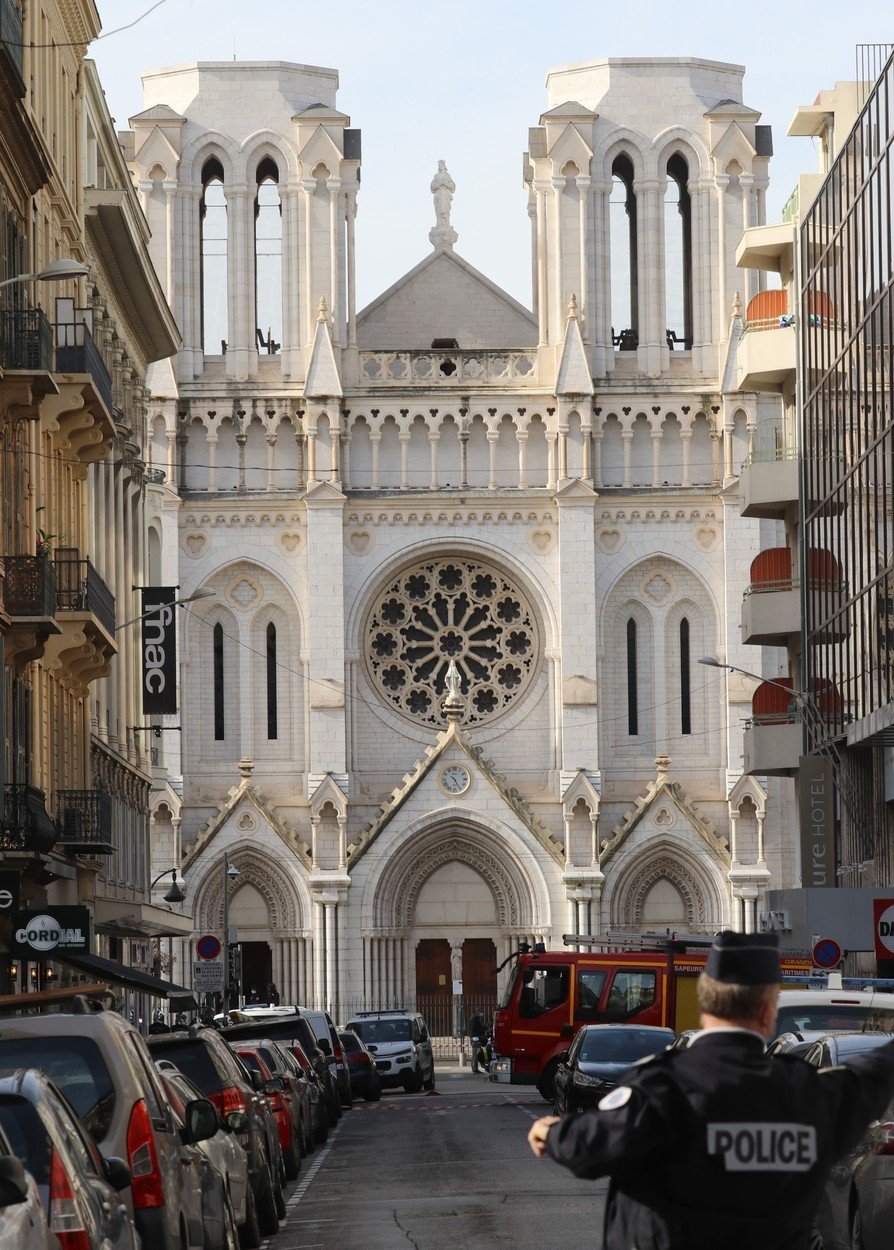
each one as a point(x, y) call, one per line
point(827, 954)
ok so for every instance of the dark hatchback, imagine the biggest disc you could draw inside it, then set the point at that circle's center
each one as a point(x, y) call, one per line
point(599, 1056)
point(365, 1082)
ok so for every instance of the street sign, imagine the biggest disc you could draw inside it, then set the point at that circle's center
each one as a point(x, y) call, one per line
point(208, 946)
point(40, 931)
point(826, 953)
point(883, 910)
point(207, 976)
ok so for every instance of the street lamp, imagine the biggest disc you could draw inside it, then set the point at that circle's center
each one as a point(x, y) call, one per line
point(197, 594)
point(230, 873)
point(174, 894)
point(56, 271)
point(856, 810)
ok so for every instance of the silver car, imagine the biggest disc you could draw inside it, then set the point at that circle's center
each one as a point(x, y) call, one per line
point(401, 1044)
point(23, 1223)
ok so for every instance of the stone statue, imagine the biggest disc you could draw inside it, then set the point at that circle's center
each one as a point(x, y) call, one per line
point(453, 703)
point(456, 963)
point(442, 188)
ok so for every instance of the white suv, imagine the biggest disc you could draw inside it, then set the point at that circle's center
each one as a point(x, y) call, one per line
point(401, 1044)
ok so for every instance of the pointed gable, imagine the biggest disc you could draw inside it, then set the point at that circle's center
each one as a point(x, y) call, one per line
point(573, 377)
point(444, 297)
point(670, 792)
point(323, 379)
point(245, 797)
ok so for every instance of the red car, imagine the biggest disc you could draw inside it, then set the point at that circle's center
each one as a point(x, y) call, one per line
point(278, 1098)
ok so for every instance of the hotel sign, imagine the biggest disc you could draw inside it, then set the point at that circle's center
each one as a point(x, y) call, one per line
point(816, 802)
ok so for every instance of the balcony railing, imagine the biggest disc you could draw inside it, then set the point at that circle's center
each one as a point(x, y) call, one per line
point(26, 339)
point(447, 367)
point(25, 825)
point(29, 586)
point(85, 822)
point(77, 353)
point(79, 588)
point(11, 40)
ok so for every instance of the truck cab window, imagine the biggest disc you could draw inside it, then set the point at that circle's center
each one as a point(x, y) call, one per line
point(631, 993)
point(543, 990)
point(590, 985)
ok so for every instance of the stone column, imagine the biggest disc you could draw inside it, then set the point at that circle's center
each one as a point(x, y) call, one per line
point(627, 439)
point(271, 461)
point(290, 199)
point(433, 439)
point(597, 457)
point(686, 439)
point(492, 439)
point(583, 190)
point(326, 636)
point(308, 186)
point(746, 182)
point(521, 438)
point(463, 458)
point(586, 435)
point(558, 186)
point(721, 182)
point(656, 458)
point(540, 189)
point(551, 439)
point(242, 353)
point(351, 213)
point(170, 190)
point(577, 671)
point(331, 960)
point(311, 435)
point(375, 439)
point(333, 186)
point(404, 439)
point(650, 256)
point(697, 261)
point(189, 303)
point(604, 352)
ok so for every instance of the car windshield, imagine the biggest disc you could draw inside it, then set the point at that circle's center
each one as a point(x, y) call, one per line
point(602, 1045)
point(380, 1032)
point(832, 1018)
point(193, 1059)
point(76, 1066)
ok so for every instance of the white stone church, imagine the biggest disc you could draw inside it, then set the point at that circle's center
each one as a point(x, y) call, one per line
point(546, 497)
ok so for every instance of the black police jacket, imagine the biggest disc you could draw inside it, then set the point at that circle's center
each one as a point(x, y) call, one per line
point(720, 1145)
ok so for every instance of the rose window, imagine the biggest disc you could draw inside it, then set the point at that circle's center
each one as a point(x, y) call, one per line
point(451, 609)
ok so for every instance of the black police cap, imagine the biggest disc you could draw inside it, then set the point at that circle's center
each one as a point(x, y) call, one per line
point(744, 959)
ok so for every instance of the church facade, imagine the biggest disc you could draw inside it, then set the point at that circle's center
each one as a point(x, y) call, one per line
point(539, 503)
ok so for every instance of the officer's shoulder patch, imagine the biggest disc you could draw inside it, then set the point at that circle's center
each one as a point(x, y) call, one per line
point(617, 1098)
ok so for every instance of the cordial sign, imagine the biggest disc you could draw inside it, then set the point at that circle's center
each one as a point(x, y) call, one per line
point(159, 650)
point(56, 930)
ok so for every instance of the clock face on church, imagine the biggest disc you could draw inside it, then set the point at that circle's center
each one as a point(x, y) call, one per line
point(455, 779)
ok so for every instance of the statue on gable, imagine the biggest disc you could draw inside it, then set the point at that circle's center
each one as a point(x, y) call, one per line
point(442, 233)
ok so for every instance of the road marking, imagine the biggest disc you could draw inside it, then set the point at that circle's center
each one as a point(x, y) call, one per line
point(515, 1103)
point(302, 1187)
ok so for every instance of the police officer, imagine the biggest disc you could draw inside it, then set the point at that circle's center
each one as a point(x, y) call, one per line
point(719, 1144)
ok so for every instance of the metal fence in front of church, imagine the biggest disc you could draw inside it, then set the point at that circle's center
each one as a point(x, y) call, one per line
point(447, 1018)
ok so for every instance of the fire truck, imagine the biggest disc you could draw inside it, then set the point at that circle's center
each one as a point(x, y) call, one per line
point(619, 979)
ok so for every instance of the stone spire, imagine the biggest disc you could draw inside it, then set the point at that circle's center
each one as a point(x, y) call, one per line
point(442, 234)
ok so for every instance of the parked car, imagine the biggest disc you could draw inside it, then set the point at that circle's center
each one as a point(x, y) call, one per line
point(327, 1040)
point(288, 1116)
point(100, 1063)
point(857, 1211)
point(598, 1058)
point(365, 1082)
point(216, 1210)
point(793, 1043)
point(316, 1092)
point(23, 1221)
point(834, 1010)
point(295, 1029)
point(402, 1047)
point(298, 1082)
point(76, 1185)
point(202, 1055)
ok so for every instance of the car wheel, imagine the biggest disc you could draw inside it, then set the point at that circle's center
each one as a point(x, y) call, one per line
point(291, 1161)
point(430, 1083)
point(857, 1242)
point(279, 1198)
point(250, 1231)
point(268, 1215)
point(546, 1086)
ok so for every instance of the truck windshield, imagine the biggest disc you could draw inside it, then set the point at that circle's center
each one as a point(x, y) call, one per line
point(510, 989)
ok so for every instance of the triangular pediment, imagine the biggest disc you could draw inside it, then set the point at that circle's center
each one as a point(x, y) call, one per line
point(582, 789)
point(247, 812)
point(570, 145)
point(733, 144)
point(444, 297)
point(662, 795)
point(570, 110)
point(451, 746)
point(320, 149)
point(321, 113)
point(158, 150)
point(573, 377)
point(323, 379)
point(732, 108)
point(328, 791)
point(158, 113)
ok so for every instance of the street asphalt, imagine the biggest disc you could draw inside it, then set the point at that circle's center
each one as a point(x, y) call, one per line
point(439, 1172)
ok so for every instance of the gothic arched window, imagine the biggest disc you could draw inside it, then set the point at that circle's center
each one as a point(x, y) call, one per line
point(685, 684)
point(271, 682)
point(268, 259)
point(624, 261)
point(213, 250)
point(678, 254)
point(632, 691)
point(217, 647)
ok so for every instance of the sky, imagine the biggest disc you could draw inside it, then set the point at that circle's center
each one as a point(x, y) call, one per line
point(464, 80)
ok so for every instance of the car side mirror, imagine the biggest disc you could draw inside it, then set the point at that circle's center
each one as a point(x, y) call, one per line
point(237, 1122)
point(325, 1046)
point(275, 1085)
point(201, 1121)
point(423, 1036)
point(257, 1081)
point(562, 1056)
point(117, 1173)
point(13, 1182)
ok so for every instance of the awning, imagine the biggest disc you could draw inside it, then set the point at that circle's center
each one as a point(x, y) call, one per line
point(132, 919)
point(111, 970)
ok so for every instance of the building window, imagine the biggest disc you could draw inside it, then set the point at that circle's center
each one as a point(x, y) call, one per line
point(632, 700)
point(624, 267)
point(213, 250)
point(685, 689)
point(268, 259)
point(218, 650)
point(678, 255)
point(271, 681)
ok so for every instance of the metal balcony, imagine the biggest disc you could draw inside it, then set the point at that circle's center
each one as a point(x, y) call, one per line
point(769, 483)
point(76, 352)
point(81, 589)
point(26, 339)
point(29, 588)
point(771, 613)
point(772, 750)
point(11, 45)
point(85, 822)
point(25, 827)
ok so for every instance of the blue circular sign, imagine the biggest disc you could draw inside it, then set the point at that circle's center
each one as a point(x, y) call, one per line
point(208, 947)
point(826, 953)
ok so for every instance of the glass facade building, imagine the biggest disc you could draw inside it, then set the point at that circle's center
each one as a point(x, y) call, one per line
point(847, 438)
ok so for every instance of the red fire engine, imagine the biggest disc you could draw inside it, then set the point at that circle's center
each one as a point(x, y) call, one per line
point(625, 978)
